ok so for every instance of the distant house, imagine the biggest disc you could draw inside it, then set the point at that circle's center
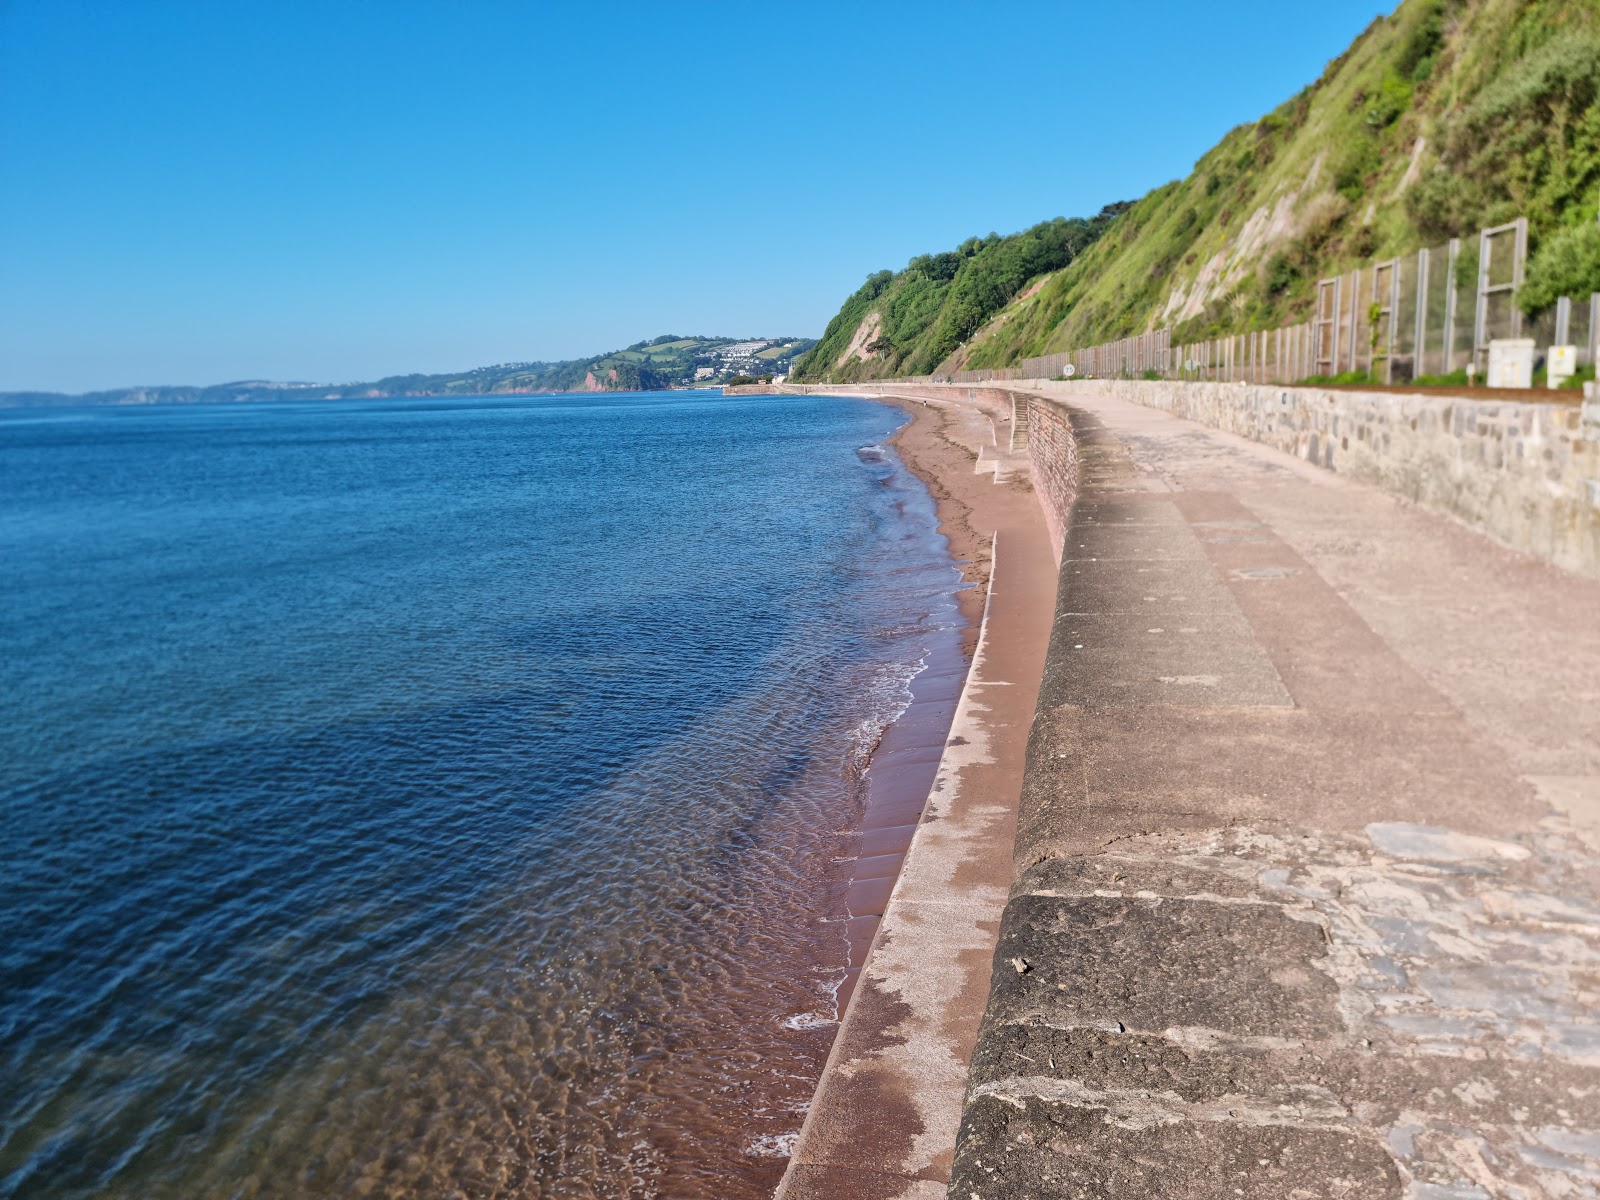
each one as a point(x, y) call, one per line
point(704, 372)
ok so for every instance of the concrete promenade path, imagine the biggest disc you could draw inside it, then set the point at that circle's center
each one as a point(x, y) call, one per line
point(1307, 897)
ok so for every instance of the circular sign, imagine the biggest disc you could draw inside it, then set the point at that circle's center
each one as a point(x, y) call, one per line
point(1069, 370)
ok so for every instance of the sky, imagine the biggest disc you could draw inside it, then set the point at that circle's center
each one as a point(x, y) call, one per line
point(199, 192)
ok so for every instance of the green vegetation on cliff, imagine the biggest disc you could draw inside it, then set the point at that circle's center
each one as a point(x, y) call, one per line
point(909, 322)
point(1440, 119)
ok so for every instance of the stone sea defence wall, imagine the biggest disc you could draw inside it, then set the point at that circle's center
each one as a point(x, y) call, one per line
point(1053, 459)
point(1525, 473)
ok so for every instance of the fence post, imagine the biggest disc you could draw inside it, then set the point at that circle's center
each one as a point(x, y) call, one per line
point(1480, 308)
point(1563, 320)
point(1355, 312)
point(1450, 306)
point(1594, 327)
point(1519, 260)
point(1419, 346)
point(1393, 332)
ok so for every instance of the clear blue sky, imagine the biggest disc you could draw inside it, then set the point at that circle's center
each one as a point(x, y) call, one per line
point(197, 192)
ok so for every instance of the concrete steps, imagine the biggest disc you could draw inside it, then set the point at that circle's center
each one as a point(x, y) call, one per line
point(1019, 424)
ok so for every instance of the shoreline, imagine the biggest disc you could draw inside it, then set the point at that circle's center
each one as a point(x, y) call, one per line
point(902, 766)
point(934, 849)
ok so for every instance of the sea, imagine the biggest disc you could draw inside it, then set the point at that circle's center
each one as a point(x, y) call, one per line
point(438, 797)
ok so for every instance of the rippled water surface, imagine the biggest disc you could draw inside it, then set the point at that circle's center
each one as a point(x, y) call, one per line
point(437, 798)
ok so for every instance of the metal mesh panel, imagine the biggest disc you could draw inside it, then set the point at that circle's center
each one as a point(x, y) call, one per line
point(1433, 356)
point(1542, 328)
point(1580, 329)
point(1403, 352)
point(1499, 318)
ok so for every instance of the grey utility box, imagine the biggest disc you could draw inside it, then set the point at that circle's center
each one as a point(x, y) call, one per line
point(1510, 363)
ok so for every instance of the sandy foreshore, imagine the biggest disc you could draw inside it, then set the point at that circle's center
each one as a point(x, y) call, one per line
point(934, 855)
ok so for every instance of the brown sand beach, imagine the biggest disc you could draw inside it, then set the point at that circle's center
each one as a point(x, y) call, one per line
point(938, 797)
point(891, 1092)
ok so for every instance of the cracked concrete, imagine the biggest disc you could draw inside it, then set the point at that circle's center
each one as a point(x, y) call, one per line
point(1308, 862)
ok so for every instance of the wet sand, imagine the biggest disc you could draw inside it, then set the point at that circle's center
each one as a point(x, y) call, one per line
point(941, 446)
point(934, 856)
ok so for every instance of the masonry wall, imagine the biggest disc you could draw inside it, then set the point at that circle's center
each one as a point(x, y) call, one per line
point(1053, 458)
point(1527, 474)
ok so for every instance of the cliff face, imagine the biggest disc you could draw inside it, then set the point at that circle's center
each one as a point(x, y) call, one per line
point(911, 321)
point(1443, 118)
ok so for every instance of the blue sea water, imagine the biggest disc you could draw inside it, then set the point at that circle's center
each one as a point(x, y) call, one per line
point(437, 797)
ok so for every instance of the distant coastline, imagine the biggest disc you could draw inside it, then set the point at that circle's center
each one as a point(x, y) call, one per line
point(665, 363)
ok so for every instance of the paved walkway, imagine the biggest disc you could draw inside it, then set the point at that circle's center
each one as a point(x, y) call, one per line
point(1309, 850)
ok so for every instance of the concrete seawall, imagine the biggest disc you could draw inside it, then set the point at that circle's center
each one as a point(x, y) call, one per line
point(1311, 773)
point(883, 1122)
point(1525, 473)
point(1305, 893)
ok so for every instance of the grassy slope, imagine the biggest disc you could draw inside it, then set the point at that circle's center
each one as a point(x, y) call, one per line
point(1502, 94)
point(919, 317)
point(1442, 118)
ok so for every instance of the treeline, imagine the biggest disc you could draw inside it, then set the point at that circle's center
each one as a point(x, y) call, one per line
point(926, 311)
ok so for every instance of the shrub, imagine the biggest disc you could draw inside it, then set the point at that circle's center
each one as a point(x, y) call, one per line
point(1453, 379)
point(1360, 159)
point(1528, 144)
point(1421, 50)
point(1281, 272)
point(1566, 264)
point(1344, 378)
point(1393, 98)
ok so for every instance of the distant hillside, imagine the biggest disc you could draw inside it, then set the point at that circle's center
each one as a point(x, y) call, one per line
point(1443, 118)
point(667, 362)
point(911, 321)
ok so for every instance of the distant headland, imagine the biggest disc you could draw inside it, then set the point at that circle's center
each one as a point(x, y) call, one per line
point(665, 362)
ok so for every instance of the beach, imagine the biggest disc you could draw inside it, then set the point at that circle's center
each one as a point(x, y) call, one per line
point(889, 1100)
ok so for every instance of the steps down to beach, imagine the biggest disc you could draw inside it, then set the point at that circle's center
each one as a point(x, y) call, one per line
point(1019, 423)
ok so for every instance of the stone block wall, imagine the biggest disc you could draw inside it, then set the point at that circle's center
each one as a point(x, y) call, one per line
point(1053, 459)
point(1525, 473)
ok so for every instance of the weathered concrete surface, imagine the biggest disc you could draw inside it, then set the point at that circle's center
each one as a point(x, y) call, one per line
point(884, 1118)
point(1307, 857)
point(1526, 472)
